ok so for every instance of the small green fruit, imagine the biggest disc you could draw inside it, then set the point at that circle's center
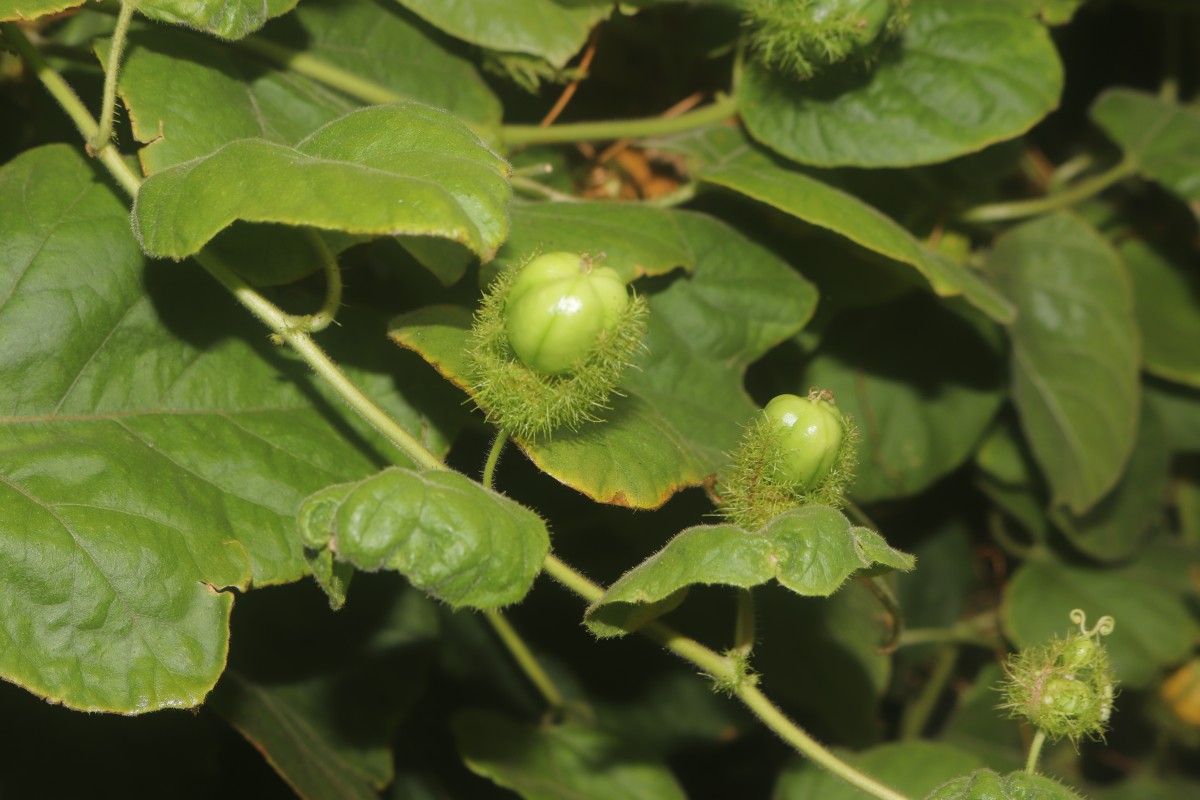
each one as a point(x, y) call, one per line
point(810, 434)
point(559, 307)
point(867, 17)
point(1065, 697)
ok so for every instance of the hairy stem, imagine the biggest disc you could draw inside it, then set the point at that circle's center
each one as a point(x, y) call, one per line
point(282, 326)
point(1035, 751)
point(722, 670)
point(71, 104)
point(887, 598)
point(719, 667)
point(489, 468)
point(310, 67)
point(916, 715)
point(525, 659)
point(722, 108)
point(1019, 209)
point(112, 70)
point(333, 287)
point(743, 629)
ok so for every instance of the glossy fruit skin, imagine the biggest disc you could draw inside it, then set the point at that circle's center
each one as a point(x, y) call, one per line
point(811, 432)
point(869, 16)
point(557, 309)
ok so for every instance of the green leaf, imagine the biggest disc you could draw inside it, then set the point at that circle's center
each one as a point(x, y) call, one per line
point(382, 43)
point(188, 95)
point(985, 784)
point(911, 768)
point(452, 538)
point(811, 551)
point(635, 240)
point(1117, 526)
point(683, 401)
point(1167, 291)
point(225, 19)
point(1051, 12)
point(920, 423)
point(978, 727)
point(846, 629)
point(551, 762)
point(965, 74)
point(1179, 410)
point(398, 169)
point(551, 29)
point(1075, 353)
point(726, 158)
point(1159, 135)
point(32, 9)
point(146, 453)
point(1154, 627)
point(319, 695)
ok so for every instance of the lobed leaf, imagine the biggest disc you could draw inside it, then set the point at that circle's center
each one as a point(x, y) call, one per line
point(550, 762)
point(911, 768)
point(986, 784)
point(1075, 353)
point(810, 551)
point(1159, 135)
point(148, 460)
point(18, 10)
point(385, 170)
point(225, 19)
point(1167, 298)
point(551, 29)
point(683, 401)
point(319, 694)
point(916, 424)
point(1118, 526)
point(964, 74)
point(452, 538)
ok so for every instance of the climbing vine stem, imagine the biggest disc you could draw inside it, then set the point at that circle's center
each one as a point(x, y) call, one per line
point(721, 668)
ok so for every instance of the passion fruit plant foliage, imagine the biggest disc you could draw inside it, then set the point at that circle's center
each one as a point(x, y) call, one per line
point(244, 248)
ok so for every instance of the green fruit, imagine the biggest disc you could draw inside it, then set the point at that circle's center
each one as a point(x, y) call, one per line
point(558, 309)
point(810, 433)
point(1065, 697)
point(867, 18)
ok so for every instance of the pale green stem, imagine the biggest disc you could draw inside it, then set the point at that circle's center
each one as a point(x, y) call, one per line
point(71, 104)
point(489, 469)
point(525, 659)
point(718, 666)
point(743, 629)
point(956, 635)
point(1006, 541)
point(112, 71)
point(333, 289)
point(1069, 170)
point(684, 194)
point(916, 715)
point(282, 326)
point(721, 109)
point(530, 186)
point(723, 670)
point(891, 606)
point(310, 67)
point(1019, 209)
point(1035, 751)
point(775, 719)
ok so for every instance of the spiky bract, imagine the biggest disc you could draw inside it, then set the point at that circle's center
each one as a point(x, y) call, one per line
point(530, 404)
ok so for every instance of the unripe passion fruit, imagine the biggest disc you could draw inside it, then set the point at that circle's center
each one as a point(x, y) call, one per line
point(558, 308)
point(867, 17)
point(810, 434)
